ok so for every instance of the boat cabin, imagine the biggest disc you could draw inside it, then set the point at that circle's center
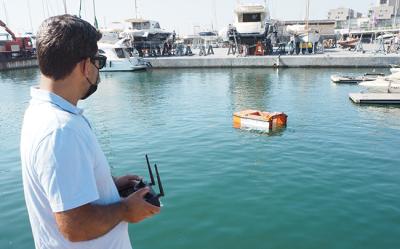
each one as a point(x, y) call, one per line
point(251, 19)
point(141, 24)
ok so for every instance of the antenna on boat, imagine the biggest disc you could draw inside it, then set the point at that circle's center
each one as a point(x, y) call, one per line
point(150, 171)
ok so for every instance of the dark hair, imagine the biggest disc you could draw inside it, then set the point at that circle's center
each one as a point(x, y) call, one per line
point(62, 42)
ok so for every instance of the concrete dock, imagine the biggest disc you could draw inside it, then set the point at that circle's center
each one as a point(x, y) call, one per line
point(331, 58)
point(375, 98)
point(18, 63)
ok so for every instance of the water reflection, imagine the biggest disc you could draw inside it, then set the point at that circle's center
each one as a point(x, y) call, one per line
point(251, 89)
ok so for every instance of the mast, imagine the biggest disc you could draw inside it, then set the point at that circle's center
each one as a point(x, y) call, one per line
point(215, 14)
point(65, 6)
point(395, 13)
point(349, 21)
point(80, 9)
point(43, 9)
point(30, 16)
point(5, 13)
point(307, 13)
point(48, 8)
point(96, 25)
point(136, 9)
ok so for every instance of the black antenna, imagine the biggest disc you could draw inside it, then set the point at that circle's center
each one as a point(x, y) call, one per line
point(159, 182)
point(150, 172)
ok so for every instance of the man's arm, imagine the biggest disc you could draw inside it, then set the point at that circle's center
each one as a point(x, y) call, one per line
point(91, 221)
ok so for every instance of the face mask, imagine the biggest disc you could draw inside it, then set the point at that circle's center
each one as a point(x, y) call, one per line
point(92, 88)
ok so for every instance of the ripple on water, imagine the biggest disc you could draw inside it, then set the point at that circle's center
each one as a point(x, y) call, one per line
point(329, 180)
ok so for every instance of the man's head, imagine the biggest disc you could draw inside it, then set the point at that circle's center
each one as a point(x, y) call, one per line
point(62, 42)
point(67, 48)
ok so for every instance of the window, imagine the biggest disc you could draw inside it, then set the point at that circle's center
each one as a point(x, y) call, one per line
point(140, 25)
point(120, 52)
point(252, 17)
point(4, 37)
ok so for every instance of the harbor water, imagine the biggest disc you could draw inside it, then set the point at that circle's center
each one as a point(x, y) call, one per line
point(329, 180)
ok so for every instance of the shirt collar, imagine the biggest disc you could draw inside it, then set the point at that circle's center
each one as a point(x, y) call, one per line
point(46, 96)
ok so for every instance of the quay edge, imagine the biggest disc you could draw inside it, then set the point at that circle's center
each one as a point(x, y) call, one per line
point(288, 61)
point(18, 64)
point(285, 61)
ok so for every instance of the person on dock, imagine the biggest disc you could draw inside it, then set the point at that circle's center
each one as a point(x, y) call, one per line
point(71, 197)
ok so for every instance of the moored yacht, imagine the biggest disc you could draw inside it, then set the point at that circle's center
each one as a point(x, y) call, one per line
point(119, 58)
point(386, 84)
point(305, 33)
point(210, 38)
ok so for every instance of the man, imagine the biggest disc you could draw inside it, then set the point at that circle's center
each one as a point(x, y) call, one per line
point(71, 197)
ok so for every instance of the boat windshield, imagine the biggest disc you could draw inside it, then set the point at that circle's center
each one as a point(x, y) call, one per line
point(251, 17)
point(207, 33)
point(5, 37)
point(141, 25)
point(120, 53)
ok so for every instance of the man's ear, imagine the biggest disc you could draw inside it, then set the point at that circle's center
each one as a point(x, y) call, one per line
point(84, 67)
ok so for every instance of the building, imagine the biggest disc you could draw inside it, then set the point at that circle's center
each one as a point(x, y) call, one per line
point(385, 13)
point(343, 17)
point(382, 12)
point(393, 3)
point(341, 14)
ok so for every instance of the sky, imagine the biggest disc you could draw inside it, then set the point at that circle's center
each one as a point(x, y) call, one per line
point(179, 15)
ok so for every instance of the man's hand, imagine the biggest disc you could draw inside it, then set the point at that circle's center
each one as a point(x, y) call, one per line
point(126, 181)
point(136, 209)
point(91, 221)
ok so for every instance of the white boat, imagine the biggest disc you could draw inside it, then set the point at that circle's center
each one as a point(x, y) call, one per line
point(210, 38)
point(310, 35)
point(395, 70)
point(383, 85)
point(303, 32)
point(350, 79)
point(386, 37)
point(250, 19)
point(119, 58)
point(251, 22)
point(144, 32)
point(393, 76)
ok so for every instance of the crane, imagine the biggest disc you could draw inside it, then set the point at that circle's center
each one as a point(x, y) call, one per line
point(2, 24)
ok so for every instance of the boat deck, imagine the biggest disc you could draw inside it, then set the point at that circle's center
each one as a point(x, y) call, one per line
point(375, 98)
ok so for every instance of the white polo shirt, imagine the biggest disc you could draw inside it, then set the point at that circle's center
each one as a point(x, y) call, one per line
point(63, 167)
